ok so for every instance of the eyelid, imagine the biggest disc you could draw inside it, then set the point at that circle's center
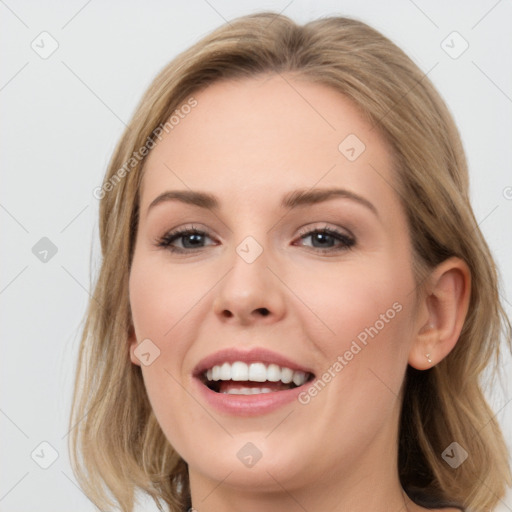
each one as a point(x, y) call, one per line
point(327, 227)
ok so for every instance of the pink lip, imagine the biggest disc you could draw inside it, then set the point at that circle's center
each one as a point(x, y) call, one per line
point(247, 405)
point(253, 355)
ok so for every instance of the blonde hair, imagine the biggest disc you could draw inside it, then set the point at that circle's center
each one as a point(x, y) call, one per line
point(117, 447)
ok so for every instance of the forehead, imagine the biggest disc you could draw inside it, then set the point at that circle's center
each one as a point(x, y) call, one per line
point(269, 134)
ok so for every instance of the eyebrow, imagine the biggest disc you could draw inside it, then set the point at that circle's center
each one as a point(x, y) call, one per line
point(294, 199)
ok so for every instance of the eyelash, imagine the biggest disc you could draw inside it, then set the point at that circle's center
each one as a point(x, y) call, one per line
point(166, 240)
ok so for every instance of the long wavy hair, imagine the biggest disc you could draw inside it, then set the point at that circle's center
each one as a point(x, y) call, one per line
point(117, 447)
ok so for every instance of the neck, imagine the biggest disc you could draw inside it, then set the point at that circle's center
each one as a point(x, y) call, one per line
point(377, 496)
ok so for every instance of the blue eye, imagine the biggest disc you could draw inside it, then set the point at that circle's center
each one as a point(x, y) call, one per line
point(192, 240)
point(326, 236)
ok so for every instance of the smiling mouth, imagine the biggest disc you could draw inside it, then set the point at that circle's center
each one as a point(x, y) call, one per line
point(239, 378)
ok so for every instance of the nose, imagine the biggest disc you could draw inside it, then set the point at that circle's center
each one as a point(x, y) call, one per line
point(250, 293)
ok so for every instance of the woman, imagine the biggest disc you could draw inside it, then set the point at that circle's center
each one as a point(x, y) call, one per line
point(295, 302)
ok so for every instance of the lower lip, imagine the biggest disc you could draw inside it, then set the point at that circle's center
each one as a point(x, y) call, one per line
point(248, 405)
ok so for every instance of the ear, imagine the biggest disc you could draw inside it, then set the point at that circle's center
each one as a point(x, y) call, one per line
point(441, 313)
point(132, 345)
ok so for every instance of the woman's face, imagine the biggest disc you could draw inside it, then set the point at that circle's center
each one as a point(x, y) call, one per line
point(273, 286)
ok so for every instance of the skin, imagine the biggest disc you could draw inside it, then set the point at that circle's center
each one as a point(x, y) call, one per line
point(249, 142)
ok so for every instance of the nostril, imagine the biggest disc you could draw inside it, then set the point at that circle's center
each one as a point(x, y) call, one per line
point(263, 311)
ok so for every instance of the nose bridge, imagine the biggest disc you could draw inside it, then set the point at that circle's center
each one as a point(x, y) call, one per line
point(252, 247)
point(250, 289)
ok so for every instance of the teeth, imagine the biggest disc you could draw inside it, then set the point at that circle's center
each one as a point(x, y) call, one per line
point(247, 391)
point(225, 372)
point(286, 375)
point(299, 378)
point(239, 371)
point(255, 372)
point(273, 373)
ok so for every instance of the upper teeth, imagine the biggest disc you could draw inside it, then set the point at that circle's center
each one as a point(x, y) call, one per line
point(256, 372)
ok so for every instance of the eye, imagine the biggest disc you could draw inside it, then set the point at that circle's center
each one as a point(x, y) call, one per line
point(326, 236)
point(191, 239)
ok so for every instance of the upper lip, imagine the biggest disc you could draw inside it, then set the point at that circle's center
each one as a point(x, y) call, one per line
point(252, 355)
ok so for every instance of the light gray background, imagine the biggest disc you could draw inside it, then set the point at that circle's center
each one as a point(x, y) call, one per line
point(61, 117)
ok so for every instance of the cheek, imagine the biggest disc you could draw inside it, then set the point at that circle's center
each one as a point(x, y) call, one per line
point(365, 359)
point(164, 306)
point(368, 308)
point(162, 300)
point(357, 301)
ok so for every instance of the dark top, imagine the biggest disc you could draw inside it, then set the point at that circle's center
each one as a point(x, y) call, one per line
point(429, 501)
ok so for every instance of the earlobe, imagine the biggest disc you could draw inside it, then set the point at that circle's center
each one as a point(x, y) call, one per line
point(445, 305)
point(423, 354)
